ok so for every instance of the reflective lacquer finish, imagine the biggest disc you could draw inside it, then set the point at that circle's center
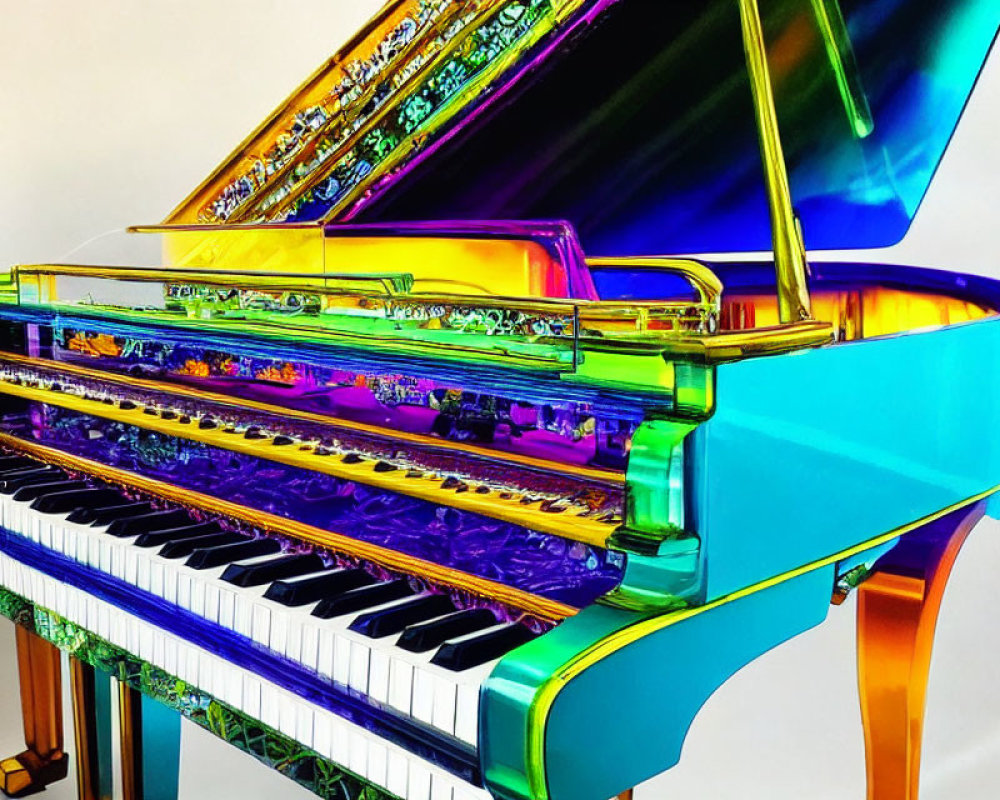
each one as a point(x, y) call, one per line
point(429, 465)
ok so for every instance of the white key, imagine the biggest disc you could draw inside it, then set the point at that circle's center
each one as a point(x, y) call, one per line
point(441, 787)
point(377, 770)
point(251, 696)
point(372, 668)
point(304, 724)
point(378, 675)
point(358, 753)
point(322, 735)
point(418, 785)
point(358, 671)
point(397, 769)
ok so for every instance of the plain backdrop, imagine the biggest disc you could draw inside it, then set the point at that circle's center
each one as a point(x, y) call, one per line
point(111, 111)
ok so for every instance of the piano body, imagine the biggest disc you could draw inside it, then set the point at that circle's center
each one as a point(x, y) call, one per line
point(418, 470)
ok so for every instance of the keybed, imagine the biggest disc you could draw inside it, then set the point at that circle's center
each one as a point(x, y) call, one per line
point(567, 517)
point(253, 519)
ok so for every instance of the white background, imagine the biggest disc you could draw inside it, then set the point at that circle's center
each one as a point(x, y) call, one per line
point(111, 111)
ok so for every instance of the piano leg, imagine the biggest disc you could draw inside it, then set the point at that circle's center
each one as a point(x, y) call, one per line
point(44, 761)
point(897, 613)
point(92, 730)
point(150, 747)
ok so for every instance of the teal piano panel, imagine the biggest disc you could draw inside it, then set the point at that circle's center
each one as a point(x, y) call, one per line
point(814, 452)
point(625, 719)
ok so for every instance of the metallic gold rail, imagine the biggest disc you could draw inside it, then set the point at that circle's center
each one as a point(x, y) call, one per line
point(599, 309)
point(608, 477)
point(565, 525)
point(540, 607)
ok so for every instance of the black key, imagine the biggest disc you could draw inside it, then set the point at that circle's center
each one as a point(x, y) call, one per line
point(13, 481)
point(64, 502)
point(182, 548)
point(16, 462)
point(30, 492)
point(159, 538)
point(281, 441)
point(309, 590)
point(388, 621)
point(360, 599)
point(272, 570)
point(211, 557)
point(153, 521)
point(108, 514)
point(476, 650)
point(428, 635)
point(20, 469)
point(207, 423)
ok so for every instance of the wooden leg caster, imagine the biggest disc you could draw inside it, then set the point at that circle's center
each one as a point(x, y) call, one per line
point(44, 761)
point(897, 613)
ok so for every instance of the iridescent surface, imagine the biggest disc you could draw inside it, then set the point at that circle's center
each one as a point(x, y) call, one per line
point(643, 136)
point(567, 432)
point(543, 564)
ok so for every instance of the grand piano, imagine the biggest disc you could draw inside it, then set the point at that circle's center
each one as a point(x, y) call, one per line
point(427, 463)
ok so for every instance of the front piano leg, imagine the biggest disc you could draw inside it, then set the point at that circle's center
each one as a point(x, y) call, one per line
point(44, 760)
point(897, 613)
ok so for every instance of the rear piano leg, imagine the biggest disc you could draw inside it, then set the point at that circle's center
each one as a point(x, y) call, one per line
point(92, 730)
point(897, 613)
point(44, 761)
point(150, 747)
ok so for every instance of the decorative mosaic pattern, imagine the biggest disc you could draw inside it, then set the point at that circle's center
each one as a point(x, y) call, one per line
point(273, 749)
point(492, 321)
point(478, 49)
point(331, 116)
point(560, 431)
point(200, 301)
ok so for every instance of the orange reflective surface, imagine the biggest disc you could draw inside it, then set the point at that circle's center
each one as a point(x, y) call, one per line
point(897, 616)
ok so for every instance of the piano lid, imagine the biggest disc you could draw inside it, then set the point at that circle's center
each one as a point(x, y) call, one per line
point(631, 120)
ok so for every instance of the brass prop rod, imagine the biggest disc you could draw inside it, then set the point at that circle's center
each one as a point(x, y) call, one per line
point(789, 251)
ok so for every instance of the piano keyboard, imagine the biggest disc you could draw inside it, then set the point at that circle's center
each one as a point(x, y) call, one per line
point(587, 512)
point(368, 755)
point(420, 655)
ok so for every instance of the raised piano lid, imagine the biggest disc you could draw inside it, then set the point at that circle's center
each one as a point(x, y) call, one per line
point(631, 120)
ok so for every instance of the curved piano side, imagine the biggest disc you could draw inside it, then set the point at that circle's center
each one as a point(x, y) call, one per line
point(812, 463)
point(604, 701)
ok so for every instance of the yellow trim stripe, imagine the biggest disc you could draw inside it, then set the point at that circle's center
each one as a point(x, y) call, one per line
point(546, 695)
point(566, 525)
point(540, 607)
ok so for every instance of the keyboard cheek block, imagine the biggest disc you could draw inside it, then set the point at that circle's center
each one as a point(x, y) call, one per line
point(449, 753)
